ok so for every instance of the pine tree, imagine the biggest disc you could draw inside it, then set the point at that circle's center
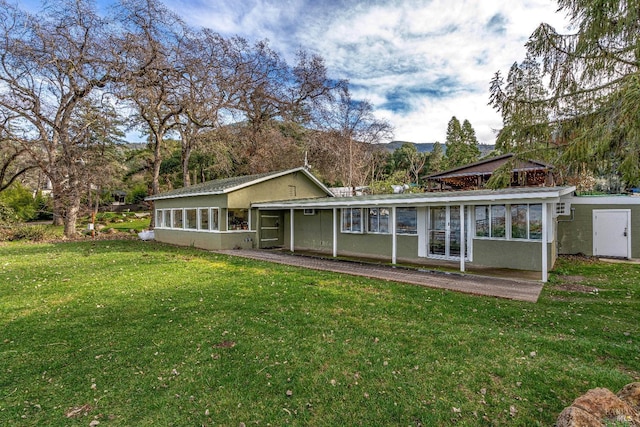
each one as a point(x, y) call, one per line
point(592, 110)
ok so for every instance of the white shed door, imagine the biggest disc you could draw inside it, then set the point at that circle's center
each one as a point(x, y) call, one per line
point(612, 233)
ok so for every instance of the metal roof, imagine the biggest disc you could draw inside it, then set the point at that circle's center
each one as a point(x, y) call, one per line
point(530, 194)
point(227, 185)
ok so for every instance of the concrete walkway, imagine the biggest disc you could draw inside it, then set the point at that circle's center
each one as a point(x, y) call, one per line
point(520, 290)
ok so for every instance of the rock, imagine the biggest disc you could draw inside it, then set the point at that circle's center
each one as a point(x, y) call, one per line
point(599, 405)
point(631, 394)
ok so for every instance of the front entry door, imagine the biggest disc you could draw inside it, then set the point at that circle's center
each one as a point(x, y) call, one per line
point(612, 233)
point(444, 231)
point(271, 231)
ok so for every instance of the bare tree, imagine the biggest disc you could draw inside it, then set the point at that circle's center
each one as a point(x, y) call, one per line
point(51, 64)
point(153, 36)
point(350, 128)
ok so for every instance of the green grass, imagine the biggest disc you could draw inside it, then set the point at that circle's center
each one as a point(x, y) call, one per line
point(139, 333)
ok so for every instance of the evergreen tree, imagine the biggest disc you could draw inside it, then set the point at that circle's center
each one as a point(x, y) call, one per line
point(461, 143)
point(592, 108)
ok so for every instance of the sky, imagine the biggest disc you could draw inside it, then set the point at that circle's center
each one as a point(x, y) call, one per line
point(419, 62)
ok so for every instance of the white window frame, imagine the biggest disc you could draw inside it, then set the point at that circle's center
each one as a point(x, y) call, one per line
point(405, 233)
point(373, 230)
point(350, 230)
point(248, 220)
point(508, 222)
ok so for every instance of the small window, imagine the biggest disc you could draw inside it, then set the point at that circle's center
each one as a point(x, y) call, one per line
point(519, 222)
point(203, 218)
point(309, 211)
point(177, 218)
point(352, 220)
point(238, 219)
point(159, 218)
point(166, 222)
point(498, 221)
point(407, 220)
point(535, 222)
point(378, 220)
point(482, 221)
point(191, 219)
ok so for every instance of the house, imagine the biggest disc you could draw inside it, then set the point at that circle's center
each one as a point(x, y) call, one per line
point(476, 175)
point(218, 214)
point(519, 228)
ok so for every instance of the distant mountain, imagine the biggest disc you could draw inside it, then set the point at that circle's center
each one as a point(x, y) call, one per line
point(427, 147)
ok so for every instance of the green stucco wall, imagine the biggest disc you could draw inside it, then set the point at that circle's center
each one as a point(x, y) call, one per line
point(516, 254)
point(208, 240)
point(212, 201)
point(575, 234)
point(295, 185)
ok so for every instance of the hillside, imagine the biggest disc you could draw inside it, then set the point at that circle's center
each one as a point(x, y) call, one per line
point(427, 147)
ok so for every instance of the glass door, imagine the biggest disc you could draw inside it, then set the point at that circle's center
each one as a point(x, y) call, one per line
point(444, 231)
point(438, 231)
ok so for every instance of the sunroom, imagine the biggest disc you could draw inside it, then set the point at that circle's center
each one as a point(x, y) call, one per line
point(513, 228)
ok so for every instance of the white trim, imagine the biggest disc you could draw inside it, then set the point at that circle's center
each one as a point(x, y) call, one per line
point(291, 230)
point(551, 194)
point(545, 225)
point(335, 231)
point(394, 236)
point(604, 200)
point(462, 238)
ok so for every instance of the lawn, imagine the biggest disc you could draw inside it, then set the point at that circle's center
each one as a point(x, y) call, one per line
point(139, 333)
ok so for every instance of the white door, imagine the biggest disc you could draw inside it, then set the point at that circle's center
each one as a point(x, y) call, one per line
point(612, 233)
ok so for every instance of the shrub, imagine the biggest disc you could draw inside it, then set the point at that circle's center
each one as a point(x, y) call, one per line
point(33, 233)
point(7, 215)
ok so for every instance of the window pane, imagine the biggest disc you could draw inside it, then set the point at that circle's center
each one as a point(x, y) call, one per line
point(356, 220)
point(346, 219)
point(498, 223)
point(407, 220)
point(535, 222)
point(238, 219)
point(519, 221)
point(374, 220)
point(167, 219)
point(190, 219)
point(215, 225)
point(482, 221)
point(159, 218)
point(177, 218)
point(204, 219)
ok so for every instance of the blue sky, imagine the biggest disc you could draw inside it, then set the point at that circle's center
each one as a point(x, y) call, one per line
point(419, 62)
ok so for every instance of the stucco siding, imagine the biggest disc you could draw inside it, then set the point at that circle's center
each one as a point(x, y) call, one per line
point(516, 254)
point(295, 185)
point(210, 201)
point(207, 240)
point(575, 233)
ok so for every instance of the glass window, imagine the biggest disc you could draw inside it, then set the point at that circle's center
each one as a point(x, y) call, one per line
point(519, 226)
point(238, 219)
point(166, 219)
point(159, 218)
point(482, 221)
point(177, 218)
point(535, 222)
point(203, 219)
point(498, 221)
point(379, 220)
point(407, 221)
point(352, 220)
point(190, 219)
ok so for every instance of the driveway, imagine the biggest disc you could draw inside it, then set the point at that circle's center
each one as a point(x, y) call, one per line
point(519, 290)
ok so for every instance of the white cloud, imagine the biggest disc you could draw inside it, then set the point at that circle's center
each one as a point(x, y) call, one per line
point(419, 62)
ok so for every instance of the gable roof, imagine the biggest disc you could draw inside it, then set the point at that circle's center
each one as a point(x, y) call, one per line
point(488, 166)
point(228, 185)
